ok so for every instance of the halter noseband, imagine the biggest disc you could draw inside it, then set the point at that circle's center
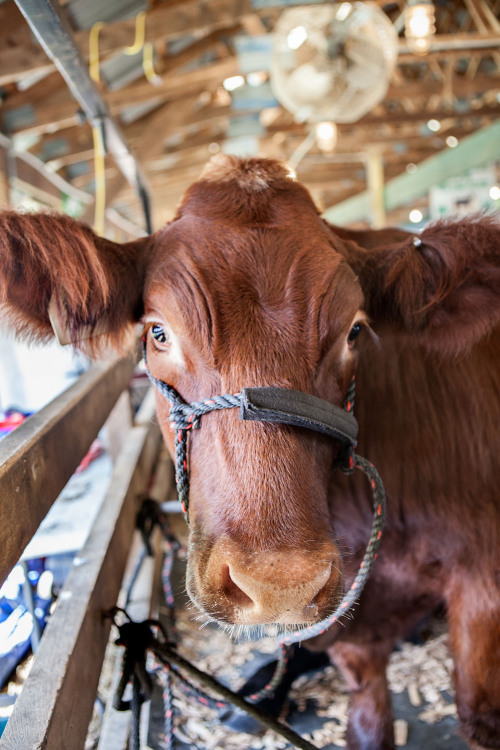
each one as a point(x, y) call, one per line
point(283, 406)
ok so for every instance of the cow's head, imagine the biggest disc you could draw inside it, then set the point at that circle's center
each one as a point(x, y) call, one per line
point(246, 287)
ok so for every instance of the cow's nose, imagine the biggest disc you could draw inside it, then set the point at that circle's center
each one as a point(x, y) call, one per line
point(286, 587)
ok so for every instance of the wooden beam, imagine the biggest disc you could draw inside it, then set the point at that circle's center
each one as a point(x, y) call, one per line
point(459, 86)
point(34, 467)
point(172, 87)
point(55, 706)
point(453, 45)
point(52, 89)
point(64, 112)
point(400, 118)
point(21, 55)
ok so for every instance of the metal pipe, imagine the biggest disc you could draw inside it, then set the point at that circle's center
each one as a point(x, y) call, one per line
point(53, 31)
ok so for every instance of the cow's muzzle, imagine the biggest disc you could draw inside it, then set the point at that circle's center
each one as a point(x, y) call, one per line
point(285, 587)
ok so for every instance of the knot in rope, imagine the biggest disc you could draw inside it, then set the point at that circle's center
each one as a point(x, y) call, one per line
point(140, 637)
point(136, 638)
point(185, 416)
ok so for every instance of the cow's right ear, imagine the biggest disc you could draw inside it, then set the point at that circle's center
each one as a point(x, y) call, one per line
point(443, 286)
point(54, 267)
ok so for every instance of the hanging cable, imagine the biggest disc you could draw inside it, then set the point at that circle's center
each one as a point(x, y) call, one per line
point(99, 179)
point(140, 35)
point(148, 65)
point(94, 51)
point(147, 49)
point(97, 135)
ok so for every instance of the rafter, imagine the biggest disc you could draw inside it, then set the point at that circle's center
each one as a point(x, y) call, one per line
point(21, 55)
point(455, 83)
point(60, 110)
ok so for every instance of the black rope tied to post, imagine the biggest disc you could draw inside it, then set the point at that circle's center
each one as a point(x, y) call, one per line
point(136, 638)
point(140, 637)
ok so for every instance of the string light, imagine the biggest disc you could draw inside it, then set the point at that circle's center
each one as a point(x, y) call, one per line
point(419, 26)
point(233, 82)
point(326, 135)
point(434, 125)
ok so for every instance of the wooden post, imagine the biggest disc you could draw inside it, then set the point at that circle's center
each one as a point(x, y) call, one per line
point(38, 458)
point(55, 706)
point(375, 180)
point(118, 424)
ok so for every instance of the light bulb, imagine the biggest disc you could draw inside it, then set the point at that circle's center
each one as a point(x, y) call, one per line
point(419, 26)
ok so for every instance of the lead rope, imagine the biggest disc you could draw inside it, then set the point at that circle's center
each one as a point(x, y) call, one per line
point(186, 416)
point(353, 593)
point(138, 638)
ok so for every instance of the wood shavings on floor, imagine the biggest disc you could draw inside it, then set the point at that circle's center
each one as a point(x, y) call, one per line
point(317, 704)
point(425, 671)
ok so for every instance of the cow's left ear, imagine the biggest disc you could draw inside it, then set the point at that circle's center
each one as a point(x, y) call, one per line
point(58, 276)
point(442, 285)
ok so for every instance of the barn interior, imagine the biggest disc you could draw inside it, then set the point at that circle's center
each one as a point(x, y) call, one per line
point(108, 112)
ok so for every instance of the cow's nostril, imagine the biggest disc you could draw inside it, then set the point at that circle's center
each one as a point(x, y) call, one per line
point(278, 586)
point(232, 591)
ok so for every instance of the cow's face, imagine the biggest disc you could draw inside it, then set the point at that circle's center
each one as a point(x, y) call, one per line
point(248, 287)
point(245, 289)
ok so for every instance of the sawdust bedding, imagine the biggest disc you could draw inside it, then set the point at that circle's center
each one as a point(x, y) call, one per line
point(423, 672)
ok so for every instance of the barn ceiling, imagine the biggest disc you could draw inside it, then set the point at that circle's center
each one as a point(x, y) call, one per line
point(174, 112)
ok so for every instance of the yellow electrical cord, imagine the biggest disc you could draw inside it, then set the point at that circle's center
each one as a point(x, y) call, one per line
point(100, 180)
point(97, 136)
point(140, 34)
point(94, 51)
point(148, 65)
point(146, 47)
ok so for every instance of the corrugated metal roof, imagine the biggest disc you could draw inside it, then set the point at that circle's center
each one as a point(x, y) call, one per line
point(85, 14)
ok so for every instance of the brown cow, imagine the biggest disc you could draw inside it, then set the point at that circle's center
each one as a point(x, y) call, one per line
point(248, 286)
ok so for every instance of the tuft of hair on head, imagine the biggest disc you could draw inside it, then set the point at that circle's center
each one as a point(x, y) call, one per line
point(251, 174)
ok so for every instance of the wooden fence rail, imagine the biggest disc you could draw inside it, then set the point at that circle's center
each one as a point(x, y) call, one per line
point(38, 458)
point(55, 705)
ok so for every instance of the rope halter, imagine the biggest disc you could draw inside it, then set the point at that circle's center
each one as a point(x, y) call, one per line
point(284, 406)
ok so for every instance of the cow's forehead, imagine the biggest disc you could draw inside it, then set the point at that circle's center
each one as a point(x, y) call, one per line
point(246, 259)
point(263, 300)
point(219, 264)
point(248, 192)
point(246, 219)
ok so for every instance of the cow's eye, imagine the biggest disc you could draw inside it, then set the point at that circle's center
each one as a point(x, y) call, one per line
point(159, 334)
point(354, 333)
